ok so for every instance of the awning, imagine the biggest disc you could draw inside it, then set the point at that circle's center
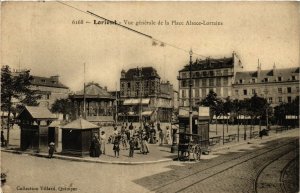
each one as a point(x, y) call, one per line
point(147, 113)
point(136, 101)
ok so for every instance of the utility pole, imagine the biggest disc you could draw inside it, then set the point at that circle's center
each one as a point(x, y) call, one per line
point(190, 95)
point(140, 96)
point(116, 104)
point(84, 97)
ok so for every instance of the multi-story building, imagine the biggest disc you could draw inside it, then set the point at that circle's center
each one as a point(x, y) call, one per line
point(209, 74)
point(275, 85)
point(142, 93)
point(50, 89)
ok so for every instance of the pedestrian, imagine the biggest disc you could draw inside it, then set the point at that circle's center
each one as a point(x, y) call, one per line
point(124, 140)
point(168, 135)
point(51, 149)
point(3, 141)
point(152, 135)
point(144, 143)
point(102, 142)
point(161, 137)
point(115, 133)
point(131, 147)
point(116, 147)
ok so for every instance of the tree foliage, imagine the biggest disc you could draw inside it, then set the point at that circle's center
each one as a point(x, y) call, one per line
point(63, 106)
point(16, 87)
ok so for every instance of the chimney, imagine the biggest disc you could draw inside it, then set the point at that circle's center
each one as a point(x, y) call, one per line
point(54, 78)
point(258, 68)
point(123, 73)
point(274, 69)
point(105, 88)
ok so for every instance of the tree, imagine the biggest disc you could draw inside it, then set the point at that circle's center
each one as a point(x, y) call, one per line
point(63, 106)
point(215, 105)
point(16, 87)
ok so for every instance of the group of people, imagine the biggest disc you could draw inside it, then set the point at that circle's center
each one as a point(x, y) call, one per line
point(130, 138)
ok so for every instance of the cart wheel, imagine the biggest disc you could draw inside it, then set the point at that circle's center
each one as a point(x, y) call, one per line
point(197, 153)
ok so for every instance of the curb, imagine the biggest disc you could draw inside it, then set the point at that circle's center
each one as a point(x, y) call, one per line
point(250, 141)
point(86, 160)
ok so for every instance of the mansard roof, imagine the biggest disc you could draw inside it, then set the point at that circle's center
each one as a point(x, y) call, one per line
point(47, 81)
point(210, 63)
point(285, 73)
point(147, 72)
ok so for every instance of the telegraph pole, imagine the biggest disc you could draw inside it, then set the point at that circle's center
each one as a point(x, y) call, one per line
point(190, 95)
point(140, 96)
point(84, 97)
point(116, 103)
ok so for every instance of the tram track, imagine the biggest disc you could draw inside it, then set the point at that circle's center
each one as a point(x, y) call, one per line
point(283, 172)
point(251, 156)
point(260, 171)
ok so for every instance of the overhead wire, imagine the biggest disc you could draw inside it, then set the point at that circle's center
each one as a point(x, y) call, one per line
point(163, 43)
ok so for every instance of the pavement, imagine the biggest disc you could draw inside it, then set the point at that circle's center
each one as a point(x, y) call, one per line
point(157, 154)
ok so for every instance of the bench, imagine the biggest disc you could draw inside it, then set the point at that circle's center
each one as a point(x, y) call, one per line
point(254, 134)
point(214, 140)
point(280, 129)
point(232, 137)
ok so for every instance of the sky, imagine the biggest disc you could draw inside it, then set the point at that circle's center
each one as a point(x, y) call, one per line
point(42, 36)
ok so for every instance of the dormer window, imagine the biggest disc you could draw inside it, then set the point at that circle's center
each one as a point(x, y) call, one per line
point(241, 81)
point(279, 79)
point(293, 77)
point(266, 80)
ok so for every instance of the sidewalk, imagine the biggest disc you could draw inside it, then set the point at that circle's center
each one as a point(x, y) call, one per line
point(157, 153)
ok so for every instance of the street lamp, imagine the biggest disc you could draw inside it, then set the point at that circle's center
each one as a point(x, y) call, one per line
point(190, 95)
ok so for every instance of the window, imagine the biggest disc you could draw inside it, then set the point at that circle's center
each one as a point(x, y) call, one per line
point(289, 99)
point(183, 93)
point(280, 90)
point(197, 93)
point(203, 92)
point(183, 83)
point(128, 84)
point(293, 77)
point(279, 79)
point(245, 92)
point(203, 82)
point(253, 80)
point(204, 73)
point(253, 91)
point(225, 72)
point(218, 81)
point(280, 99)
point(197, 82)
point(289, 89)
point(266, 79)
point(211, 82)
point(211, 73)
point(236, 92)
point(225, 81)
point(270, 99)
point(183, 75)
point(43, 80)
point(197, 74)
point(218, 72)
point(218, 91)
point(225, 93)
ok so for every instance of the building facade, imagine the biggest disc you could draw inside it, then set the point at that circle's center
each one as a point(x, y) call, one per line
point(143, 95)
point(275, 85)
point(95, 104)
point(50, 89)
point(209, 74)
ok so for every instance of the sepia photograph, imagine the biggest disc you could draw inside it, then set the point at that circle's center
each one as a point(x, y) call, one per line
point(146, 97)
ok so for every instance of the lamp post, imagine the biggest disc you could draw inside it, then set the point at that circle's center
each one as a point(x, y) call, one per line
point(190, 95)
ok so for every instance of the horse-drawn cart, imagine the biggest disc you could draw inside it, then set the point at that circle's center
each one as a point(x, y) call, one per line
point(191, 146)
